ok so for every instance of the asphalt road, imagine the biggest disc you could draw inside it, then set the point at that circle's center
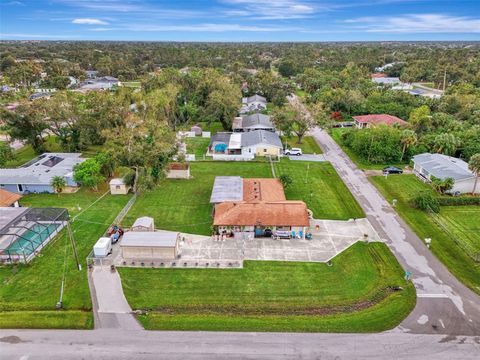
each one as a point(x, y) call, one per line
point(123, 344)
point(444, 305)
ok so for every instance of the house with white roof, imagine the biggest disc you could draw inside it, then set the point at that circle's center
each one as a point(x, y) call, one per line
point(442, 167)
point(36, 175)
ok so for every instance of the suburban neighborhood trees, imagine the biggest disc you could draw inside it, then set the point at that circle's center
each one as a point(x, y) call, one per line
point(88, 174)
point(474, 166)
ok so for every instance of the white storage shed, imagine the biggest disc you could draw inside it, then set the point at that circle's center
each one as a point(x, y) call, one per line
point(140, 246)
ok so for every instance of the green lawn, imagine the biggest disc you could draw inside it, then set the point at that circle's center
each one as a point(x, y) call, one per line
point(308, 144)
point(363, 164)
point(460, 220)
point(184, 205)
point(319, 185)
point(353, 295)
point(198, 146)
point(33, 289)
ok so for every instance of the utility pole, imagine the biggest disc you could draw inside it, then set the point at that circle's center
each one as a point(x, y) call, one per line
point(74, 247)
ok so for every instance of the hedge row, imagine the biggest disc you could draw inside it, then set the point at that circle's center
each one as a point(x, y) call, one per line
point(457, 201)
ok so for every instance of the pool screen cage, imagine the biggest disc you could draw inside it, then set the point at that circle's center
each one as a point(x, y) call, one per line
point(27, 233)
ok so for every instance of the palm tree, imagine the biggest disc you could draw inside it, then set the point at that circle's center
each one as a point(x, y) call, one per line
point(408, 138)
point(445, 144)
point(474, 166)
point(58, 183)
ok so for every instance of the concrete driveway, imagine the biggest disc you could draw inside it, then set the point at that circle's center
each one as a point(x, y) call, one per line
point(329, 238)
point(308, 157)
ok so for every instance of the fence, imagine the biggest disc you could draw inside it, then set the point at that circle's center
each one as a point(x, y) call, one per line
point(223, 157)
point(467, 248)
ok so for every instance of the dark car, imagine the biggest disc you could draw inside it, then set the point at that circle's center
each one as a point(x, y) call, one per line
point(392, 170)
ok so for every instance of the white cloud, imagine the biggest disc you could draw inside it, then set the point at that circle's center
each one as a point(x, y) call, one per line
point(89, 21)
point(417, 23)
point(272, 10)
point(208, 28)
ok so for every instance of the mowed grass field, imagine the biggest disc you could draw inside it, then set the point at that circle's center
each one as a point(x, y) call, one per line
point(198, 146)
point(462, 221)
point(353, 295)
point(28, 293)
point(308, 144)
point(184, 205)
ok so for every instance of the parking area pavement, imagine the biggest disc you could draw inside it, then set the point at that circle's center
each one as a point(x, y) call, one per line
point(329, 238)
point(308, 157)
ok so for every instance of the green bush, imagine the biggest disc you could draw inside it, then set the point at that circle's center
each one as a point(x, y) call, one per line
point(426, 201)
point(459, 201)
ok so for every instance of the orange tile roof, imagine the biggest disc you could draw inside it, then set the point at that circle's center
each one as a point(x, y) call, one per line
point(8, 198)
point(377, 119)
point(256, 190)
point(281, 213)
point(378, 75)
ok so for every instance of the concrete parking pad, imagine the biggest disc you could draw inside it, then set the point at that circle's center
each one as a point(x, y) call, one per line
point(329, 238)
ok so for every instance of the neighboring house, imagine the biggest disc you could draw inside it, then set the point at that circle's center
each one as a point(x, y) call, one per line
point(366, 121)
point(9, 199)
point(247, 208)
point(442, 167)
point(386, 80)
point(424, 93)
point(36, 175)
point(252, 143)
point(253, 122)
point(118, 187)
point(253, 103)
point(101, 83)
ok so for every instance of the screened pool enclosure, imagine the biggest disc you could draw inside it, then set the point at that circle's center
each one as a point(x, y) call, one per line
point(24, 232)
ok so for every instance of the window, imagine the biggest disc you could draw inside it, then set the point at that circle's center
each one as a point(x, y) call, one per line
point(264, 150)
point(20, 187)
point(117, 187)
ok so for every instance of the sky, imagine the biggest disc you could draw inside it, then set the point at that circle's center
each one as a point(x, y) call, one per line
point(240, 20)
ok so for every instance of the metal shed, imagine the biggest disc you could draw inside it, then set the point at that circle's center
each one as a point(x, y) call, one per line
point(144, 223)
point(159, 245)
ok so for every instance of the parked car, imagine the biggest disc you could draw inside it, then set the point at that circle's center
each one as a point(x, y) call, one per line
point(294, 151)
point(392, 170)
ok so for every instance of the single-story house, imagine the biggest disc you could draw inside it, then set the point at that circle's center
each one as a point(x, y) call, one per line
point(256, 208)
point(101, 83)
point(178, 171)
point(143, 224)
point(386, 80)
point(365, 121)
point(36, 175)
point(9, 199)
point(118, 187)
point(153, 245)
point(253, 122)
point(442, 167)
point(258, 142)
point(253, 103)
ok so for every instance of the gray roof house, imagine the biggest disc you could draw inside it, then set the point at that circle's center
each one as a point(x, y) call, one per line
point(442, 166)
point(253, 103)
point(386, 80)
point(253, 122)
point(100, 83)
point(36, 175)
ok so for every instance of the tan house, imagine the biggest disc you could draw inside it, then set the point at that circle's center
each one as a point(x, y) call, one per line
point(118, 187)
point(152, 245)
point(256, 208)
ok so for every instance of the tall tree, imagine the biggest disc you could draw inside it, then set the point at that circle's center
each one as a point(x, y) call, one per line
point(445, 144)
point(474, 166)
point(408, 138)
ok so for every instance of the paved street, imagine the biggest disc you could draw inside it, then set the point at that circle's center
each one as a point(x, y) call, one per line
point(444, 305)
point(116, 344)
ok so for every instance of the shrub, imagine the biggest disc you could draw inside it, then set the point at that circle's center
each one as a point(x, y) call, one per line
point(426, 201)
point(459, 201)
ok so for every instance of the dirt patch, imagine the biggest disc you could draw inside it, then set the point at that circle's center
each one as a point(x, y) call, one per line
point(12, 339)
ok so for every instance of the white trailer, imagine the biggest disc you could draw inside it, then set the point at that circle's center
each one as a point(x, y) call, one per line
point(102, 247)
